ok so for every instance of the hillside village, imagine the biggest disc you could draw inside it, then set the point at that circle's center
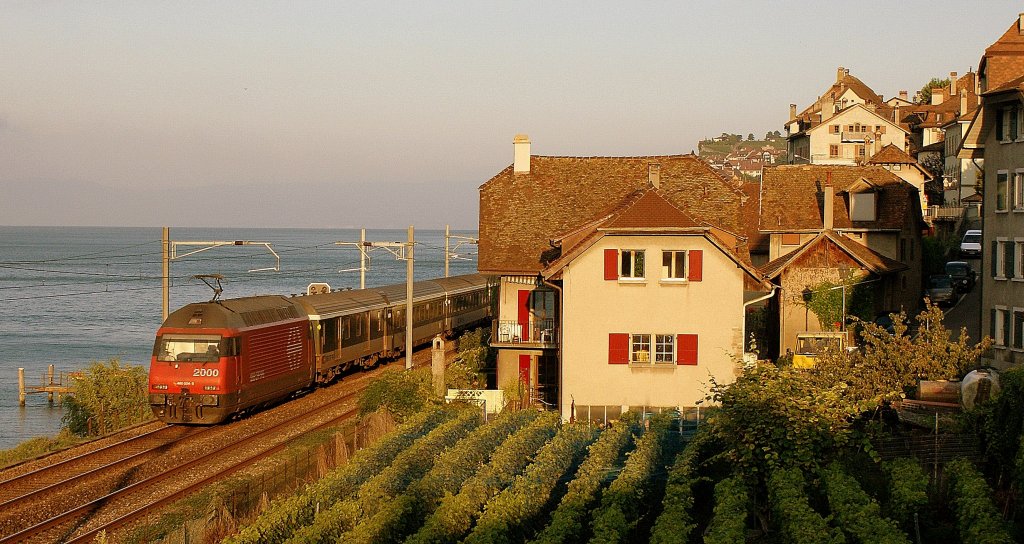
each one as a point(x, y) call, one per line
point(656, 272)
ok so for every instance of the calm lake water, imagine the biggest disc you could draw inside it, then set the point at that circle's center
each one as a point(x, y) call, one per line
point(73, 295)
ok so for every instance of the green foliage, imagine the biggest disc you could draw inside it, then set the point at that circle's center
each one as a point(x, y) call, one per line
point(401, 392)
point(676, 521)
point(978, 520)
point(889, 364)
point(771, 417)
point(567, 521)
point(625, 500)
point(827, 301)
point(510, 515)
point(454, 517)
point(925, 94)
point(107, 397)
point(732, 502)
point(407, 467)
point(399, 517)
point(857, 513)
point(1001, 422)
point(474, 353)
point(287, 515)
point(908, 488)
point(935, 251)
point(798, 522)
point(35, 447)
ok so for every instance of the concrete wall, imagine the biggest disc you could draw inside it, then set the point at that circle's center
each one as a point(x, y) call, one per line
point(594, 307)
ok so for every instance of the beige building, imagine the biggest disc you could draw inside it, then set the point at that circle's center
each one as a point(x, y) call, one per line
point(538, 200)
point(906, 168)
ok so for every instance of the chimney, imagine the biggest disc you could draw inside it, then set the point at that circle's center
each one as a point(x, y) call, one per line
point(654, 175)
point(521, 164)
point(903, 96)
point(840, 72)
point(937, 96)
point(792, 112)
point(896, 114)
point(1020, 24)
point(952, 83)
point(963, 101)
point(829, 204)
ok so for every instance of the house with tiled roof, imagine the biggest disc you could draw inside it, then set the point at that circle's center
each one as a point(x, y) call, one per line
point(548, 228)
point(840, 224)
point(925, 121)
point(846, 125)
point(961, 175)
point(906, 167)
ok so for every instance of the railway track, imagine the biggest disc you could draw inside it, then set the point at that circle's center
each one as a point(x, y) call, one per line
point(123, 481)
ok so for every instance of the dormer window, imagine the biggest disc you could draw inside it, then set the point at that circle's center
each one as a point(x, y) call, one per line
point(863, 206)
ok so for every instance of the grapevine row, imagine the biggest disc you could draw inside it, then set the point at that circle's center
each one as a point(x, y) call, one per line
point(568, 519)
point(908, 488)
point(732, 501)
point(408, 466)
point(676, 522)
point(977, 518)
point(622, 504)
point(288, 514)
point(397, 518)
point(798, 522)
point(507, 517)
point(454, 517)
point(856, 512)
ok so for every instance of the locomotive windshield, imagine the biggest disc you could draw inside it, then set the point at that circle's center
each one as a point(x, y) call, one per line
point(185, 347)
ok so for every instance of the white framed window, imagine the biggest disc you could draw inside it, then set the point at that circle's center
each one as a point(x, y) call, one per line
point(999, 259)
point(665, 348)
point(640, 348)
point(673, 265)
point(1018, 258)
point(1002, 179)
point(631, 263)
point(1000, 316)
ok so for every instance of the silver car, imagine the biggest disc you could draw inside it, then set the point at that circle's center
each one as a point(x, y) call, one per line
point(941, 290)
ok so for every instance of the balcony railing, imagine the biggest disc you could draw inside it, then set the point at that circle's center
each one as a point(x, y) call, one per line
point(848, 136)
point(534, 333)
point(948, 213)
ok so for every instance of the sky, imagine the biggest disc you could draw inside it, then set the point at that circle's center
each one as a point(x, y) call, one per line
point(388, 114)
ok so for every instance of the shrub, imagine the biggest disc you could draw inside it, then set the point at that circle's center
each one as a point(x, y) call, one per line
point(977, 518)
point(401, 392)
point(798, 522)
point(107, 397)
point(908, 488)
point(675, 523)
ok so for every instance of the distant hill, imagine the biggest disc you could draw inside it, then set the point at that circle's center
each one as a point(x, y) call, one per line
point(718, 148)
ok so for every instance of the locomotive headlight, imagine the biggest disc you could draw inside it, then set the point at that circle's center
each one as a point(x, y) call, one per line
point(210, 400)
point(160, 386)
point(157, 398)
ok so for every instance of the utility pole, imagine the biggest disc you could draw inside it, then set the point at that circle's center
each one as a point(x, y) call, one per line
point(408, 299)
point(451, 253)
point(170, 253)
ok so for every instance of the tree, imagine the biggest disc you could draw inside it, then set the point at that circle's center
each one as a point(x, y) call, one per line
point(827, 301)
point(106, 397)
point(401, 392)
point(925, 94)
point(473, 355)
point(750, 137)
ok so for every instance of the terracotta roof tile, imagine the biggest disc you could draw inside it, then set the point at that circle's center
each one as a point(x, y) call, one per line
point(792, 197)
point(520, 213)
point(870, 259)
point(891, 154)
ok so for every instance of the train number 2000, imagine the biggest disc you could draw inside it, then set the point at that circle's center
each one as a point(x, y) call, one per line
point(212, 372)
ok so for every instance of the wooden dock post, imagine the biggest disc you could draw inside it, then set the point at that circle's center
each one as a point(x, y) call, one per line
point(21, 386)
point(49, 382)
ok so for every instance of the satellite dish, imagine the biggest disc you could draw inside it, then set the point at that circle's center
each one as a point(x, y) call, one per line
point(318, 289)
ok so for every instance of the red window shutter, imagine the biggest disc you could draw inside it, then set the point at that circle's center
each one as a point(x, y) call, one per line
point(686, 349)
point(696, 265)
point(611, 264)
point(618, 348)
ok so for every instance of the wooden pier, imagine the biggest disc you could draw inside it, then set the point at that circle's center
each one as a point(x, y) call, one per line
point(52, 384)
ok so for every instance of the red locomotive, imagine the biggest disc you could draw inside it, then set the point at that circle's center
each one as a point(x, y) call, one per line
point(213, 360)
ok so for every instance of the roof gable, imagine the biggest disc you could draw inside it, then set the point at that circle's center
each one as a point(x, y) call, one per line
point(890, 154)
point(867, 258)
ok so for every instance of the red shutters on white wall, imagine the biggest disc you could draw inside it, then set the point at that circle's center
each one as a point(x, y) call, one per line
point(618, 348)
point(696, 271)
point(686, 349)
point(611, 264)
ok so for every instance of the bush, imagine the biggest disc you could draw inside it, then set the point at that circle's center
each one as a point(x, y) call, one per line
point(977, 518)
point(401, 392)
point(857, 513)
point(472, 356)
point(732, 501)
point(35, 447)
point(676, 522)
point(908, 489)
point(107, 397)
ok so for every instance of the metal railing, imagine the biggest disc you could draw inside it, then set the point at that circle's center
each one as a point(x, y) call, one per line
point(950, 212)
point(537, 332)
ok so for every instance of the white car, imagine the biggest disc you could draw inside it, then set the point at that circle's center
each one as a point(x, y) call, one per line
point(971, 244)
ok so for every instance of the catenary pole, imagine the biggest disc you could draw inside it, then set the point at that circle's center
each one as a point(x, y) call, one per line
point(446, 251)
point(408, 299)
point(165, 279)
point(362, 259)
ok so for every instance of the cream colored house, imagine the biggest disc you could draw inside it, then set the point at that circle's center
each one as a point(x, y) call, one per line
point(849, 137)
point(653, 309)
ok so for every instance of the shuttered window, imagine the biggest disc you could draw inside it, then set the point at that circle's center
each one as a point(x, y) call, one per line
point(611, 264)
point(686, 349)
point(618, 348)
point(696, 265)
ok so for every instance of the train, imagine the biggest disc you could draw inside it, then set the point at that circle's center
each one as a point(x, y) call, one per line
point(216, 360)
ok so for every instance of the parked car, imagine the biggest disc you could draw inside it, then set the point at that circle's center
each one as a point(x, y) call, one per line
point(940, 289)
point(964, 277)
point(970, 246)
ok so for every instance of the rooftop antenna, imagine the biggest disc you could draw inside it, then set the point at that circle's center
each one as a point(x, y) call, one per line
point(217, 289)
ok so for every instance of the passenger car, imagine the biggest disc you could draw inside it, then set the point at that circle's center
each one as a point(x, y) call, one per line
point(940, 289)
point(971, 244)
point(964, 277)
